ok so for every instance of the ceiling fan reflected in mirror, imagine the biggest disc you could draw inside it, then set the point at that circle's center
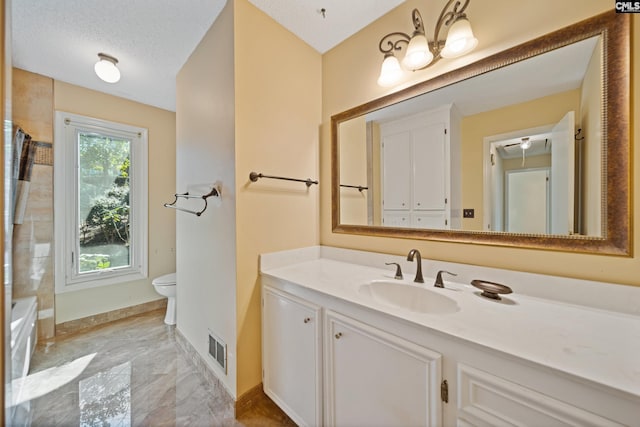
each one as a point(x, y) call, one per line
point(526, 143)
point(535, 145)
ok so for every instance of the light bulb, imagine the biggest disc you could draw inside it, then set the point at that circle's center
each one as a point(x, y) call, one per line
point(390, 72)
point(460, 40)
point(418, 54)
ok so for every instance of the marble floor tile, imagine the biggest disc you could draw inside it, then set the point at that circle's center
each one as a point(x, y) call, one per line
point(127, 373)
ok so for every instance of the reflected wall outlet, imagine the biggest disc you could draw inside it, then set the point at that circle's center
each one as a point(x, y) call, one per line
point(468, 213)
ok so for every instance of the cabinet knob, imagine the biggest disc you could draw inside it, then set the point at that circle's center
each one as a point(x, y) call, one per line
point(307, 319)
point(338, 335)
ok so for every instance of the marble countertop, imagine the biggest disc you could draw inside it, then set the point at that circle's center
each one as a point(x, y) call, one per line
point(595, 344)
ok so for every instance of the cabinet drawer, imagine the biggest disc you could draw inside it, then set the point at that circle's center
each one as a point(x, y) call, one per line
point(429, 219)
point(396, 219)
point(485, 399)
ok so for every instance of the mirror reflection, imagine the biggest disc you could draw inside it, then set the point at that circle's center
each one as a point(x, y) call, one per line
point(516, 150)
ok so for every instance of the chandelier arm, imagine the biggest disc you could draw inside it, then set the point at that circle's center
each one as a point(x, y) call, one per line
point(446, 18)
point(418, 23)
point(392, 45)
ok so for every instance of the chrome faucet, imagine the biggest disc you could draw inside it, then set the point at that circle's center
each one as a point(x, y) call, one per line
point(412, 253)
point(439, 283)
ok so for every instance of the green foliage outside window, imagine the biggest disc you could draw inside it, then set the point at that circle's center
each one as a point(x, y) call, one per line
point(104, 200)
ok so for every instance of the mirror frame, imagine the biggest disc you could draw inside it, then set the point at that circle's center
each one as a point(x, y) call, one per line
point(616, 210)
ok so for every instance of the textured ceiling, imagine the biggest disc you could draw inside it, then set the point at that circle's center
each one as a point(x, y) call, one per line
point(152, 39)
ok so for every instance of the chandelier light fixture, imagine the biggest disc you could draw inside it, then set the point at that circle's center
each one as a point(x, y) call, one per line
point(419, 53)
point(106, 68)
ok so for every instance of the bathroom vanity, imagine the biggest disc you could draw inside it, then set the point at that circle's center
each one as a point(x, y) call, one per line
point(344, 343)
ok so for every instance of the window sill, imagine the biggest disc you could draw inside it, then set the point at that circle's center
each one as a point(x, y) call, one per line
point(99, 282)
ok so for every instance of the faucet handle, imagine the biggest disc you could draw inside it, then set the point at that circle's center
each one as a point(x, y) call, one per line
point(398, 270)
point(439, 283)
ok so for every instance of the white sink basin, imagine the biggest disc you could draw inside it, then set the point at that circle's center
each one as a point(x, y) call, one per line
point(418, 299)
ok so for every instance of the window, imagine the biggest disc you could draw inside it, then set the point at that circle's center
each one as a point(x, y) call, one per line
point(100, 196)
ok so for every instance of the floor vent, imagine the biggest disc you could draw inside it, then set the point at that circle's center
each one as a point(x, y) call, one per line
point(218, 350)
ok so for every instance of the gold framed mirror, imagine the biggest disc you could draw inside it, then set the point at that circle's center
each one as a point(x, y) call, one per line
point(592, 216)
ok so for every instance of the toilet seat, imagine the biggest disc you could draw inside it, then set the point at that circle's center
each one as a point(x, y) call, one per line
point(166, 286)
point(166, 280)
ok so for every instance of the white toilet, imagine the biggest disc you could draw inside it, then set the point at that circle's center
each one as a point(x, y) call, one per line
point(166, 285)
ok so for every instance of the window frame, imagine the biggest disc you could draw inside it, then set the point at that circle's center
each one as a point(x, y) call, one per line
point(66, 222)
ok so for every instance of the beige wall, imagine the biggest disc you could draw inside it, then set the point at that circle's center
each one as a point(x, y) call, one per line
point(353, 171)
point(161, 126)
point(345, 86)
point(36, 98)
point(376, 174)
point(205, 154)
point(278, 113)
point(33, 104)
point(232, 120)
point(527, 115)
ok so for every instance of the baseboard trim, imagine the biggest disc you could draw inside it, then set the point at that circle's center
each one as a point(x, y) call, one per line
point(225, 407)
point(232, 408)
point(110, 316)
point(250, 399)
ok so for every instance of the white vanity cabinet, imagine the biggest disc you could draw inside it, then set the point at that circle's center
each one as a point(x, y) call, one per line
point(291, 355)
point(373, 378)
point(334, 357)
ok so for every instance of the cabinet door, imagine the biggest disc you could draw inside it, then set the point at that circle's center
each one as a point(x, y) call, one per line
point(429, 167)
point(396, 187)
point(373, 378)
point(291, 363)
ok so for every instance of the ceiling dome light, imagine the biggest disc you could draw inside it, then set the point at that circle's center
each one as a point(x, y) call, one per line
point(106, 68)
point(460, 39)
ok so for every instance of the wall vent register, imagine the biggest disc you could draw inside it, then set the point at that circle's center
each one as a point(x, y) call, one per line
point(218, 350)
